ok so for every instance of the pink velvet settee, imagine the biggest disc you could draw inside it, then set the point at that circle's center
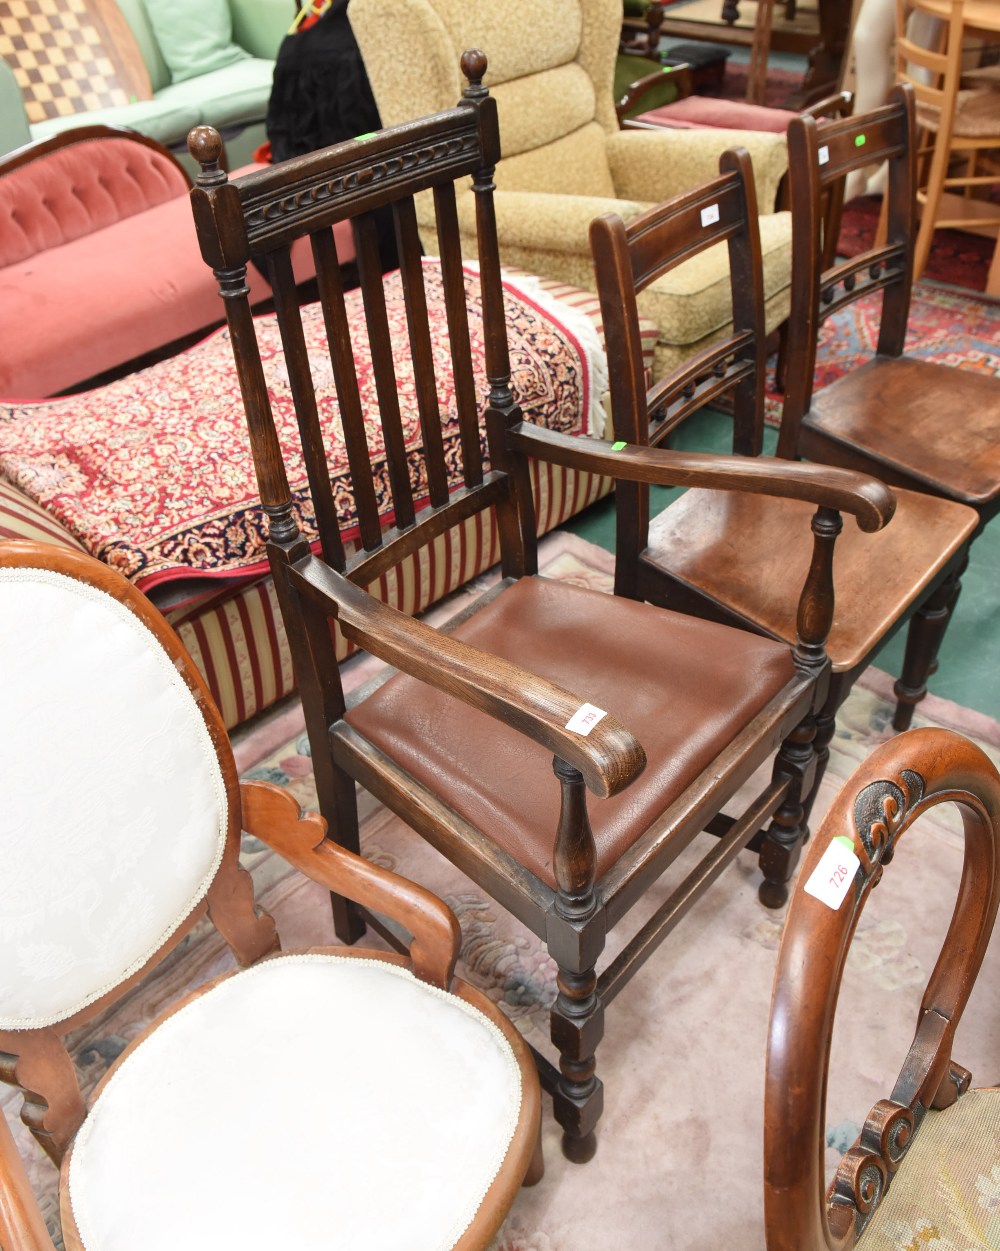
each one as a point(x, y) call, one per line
point(99, 264)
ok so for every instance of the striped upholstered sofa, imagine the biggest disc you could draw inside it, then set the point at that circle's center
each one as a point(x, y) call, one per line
point(152, 473)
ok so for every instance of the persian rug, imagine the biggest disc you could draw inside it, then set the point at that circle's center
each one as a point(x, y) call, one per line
point(153, 474)
point(947, 326)
point(956, 257)
point(679, 1160)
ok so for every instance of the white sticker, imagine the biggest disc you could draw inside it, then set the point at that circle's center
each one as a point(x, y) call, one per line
point(824, 155)
point(585, 718)
point(710, 215)
point(830, 881)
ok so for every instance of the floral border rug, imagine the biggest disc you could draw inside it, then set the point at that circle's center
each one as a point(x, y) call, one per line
point(679, 1161)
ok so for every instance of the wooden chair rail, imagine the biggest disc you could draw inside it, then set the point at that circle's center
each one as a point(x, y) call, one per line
point(273, 815)
point(609, 757)
point(867, 499)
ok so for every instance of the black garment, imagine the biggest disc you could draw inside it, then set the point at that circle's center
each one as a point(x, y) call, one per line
point(321, 95)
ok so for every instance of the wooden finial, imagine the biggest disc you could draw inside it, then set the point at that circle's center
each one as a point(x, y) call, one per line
point(205, 145)
point(474, 68)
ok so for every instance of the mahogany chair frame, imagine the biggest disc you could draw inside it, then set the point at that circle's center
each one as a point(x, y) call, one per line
point(37, 1061)
point(262, 213)
point(930, 453)
point(900, 782)
point(704, 580)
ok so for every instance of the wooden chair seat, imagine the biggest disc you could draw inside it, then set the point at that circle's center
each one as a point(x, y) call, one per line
point(746, 553)
point(897, 418)
point(140, 1174)
point(712, 681)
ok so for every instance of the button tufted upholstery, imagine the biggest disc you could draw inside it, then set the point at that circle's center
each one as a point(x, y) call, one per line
point(79, 190)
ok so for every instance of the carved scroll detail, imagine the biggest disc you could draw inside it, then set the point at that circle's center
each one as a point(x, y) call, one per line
point(367, 173)
point(880, 810)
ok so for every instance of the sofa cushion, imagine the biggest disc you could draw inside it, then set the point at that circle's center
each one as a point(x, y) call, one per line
point(234, 95)
point(195, 36)
point(166, 121)
point(78, 190)
point(703, 111)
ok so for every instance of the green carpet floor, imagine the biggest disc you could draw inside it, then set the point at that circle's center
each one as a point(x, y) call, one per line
point(969, 661)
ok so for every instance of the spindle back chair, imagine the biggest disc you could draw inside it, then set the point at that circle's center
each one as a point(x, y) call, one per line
point(662, 717)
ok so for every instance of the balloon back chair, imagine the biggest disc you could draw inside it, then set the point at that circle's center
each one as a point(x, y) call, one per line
point(737, 558)
point(392, 1105)
point(661, 716)
point(926, 1157)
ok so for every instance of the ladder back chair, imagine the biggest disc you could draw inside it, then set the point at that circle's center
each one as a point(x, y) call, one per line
point(913, 1168)
point(740, 558)
point(958, 118)
point(918, 424)
point(120, 831)
point(662, 717)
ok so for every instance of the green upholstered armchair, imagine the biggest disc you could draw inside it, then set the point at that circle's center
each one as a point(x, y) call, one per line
point(565, 162)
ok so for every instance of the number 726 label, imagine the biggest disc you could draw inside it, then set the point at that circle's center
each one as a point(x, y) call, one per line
point(830, 881)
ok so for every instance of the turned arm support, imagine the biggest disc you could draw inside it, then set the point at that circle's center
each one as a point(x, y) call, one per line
point(868, 500)
point(273, 815)
point(899, 782)
point(609, 757)
point(21, 1225)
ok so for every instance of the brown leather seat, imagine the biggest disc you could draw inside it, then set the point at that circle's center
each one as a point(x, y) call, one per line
point(680, 685)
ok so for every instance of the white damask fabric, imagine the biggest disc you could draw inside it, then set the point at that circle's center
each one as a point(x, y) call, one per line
point(114, 811)
point(311, 1101)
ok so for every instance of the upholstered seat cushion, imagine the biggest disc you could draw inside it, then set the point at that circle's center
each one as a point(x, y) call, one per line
point(947, 1191)
point(670, 673)
point(752, 553)
point(696, 112)
point(211, 1126)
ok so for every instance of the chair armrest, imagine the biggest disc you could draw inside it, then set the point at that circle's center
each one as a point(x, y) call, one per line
point(273, 815)
point(21, 1225)
point(899, 782)
point(654, 165)
point(548, 221)
point(678, 76)
point(871, 502)
point(609, 757)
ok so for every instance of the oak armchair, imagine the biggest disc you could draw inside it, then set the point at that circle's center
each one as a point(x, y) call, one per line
point(565, 158)
point(913, 1168)
point(662, 717)
point(300, 1052)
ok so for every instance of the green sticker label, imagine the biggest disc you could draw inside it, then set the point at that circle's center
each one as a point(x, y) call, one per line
point(848, 842)
point(617, 447)
point(368, 135)
point(860, 141)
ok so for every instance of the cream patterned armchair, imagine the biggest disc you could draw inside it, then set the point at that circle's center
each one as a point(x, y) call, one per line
point(565, 160)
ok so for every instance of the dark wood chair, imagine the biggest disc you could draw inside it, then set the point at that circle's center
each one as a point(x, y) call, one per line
point(914, 1165)
point(105, 877)
point(661, 716)
point(739, 558)
point(913, 423)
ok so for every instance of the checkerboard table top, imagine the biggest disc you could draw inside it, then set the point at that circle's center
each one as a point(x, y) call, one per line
point(71, 56)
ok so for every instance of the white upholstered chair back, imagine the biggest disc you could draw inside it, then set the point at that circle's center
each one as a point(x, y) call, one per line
point(114, 814)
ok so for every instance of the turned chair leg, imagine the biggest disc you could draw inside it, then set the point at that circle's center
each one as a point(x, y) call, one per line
point(577, 1026)
point(923, 642)
point(782, 845)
